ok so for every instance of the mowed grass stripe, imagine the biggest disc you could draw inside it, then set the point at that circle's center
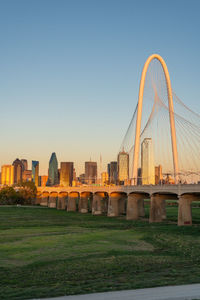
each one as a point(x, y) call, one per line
point(46, 252)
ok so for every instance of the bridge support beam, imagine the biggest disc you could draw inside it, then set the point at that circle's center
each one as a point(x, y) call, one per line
point(62, 201)
point(185, 210)
point(38, 199)
point(84, 202)
point(44, 199)
point(157, 209)
point(135, 206)
point(116, 204)
point(73, 199)
point(99, 203)
point(53, 200)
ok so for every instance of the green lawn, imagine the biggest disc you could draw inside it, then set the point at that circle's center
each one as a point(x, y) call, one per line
point(46, 252)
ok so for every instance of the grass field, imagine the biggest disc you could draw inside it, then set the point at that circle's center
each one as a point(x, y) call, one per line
point(46, 252)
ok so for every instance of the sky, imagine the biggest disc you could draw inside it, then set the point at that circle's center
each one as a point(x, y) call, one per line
point(70, 72)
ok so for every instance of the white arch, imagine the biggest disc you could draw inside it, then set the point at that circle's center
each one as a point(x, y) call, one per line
point(139, 115)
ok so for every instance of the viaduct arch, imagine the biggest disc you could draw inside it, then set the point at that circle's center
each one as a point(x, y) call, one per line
point(139, 116)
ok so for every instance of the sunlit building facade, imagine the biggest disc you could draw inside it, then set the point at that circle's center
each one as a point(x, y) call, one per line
point(147, 162)
point(43, 180)
point(18, 169)
point(66, 173)
point(123, 167)
point(90, 172)
point(53, 171)
point(158, 174)
point(27, 175)
point(35, 172)
point(104, 178)
point(113, 172)
point(7, 175)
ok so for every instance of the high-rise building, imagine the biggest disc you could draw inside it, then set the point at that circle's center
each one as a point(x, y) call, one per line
point(113, 172)
point(7, 174)
point(27, 175)
point(123, 167)
point(18, 168)
point(66, 173)
point(147, 162)
point(53, 171)
point(90, 172)
point(25, 164)
point(82, 178)
point(104, 178)
point(158, 174)
point(35, 172)
point(108, 171)
point(44, 179)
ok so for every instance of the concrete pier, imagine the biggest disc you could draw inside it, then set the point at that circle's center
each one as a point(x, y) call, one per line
point(44, 199)
point(135, 206)
point(62, 200)
point(116, 204)
point(100, 203)
point(157, 209)
point(53, 200)
point(73, 199)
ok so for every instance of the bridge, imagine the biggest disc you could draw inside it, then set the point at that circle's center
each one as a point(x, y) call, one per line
point(116, 200)
point(163, 132)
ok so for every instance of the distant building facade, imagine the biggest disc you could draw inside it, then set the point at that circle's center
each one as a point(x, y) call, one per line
point(147, 162)
point(123, 167)
point(27, 175)
point(25, 164)
point(53, 171)
point(113, 172)
point(66, 173)
point(18, 169)
point(7, 175)
point(90, 172)
point(43, 180)
point(158, 174)
point(35, 172)
point(104, 178)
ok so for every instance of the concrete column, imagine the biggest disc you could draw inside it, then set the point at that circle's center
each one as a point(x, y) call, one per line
point(53, 200)
point(44, 199)
point(157, 209)
point(62, 201)
point(116, 204)
point(185, 210)
point(38, 199)
point(73, 198)
point(83, 202)
point(99, 204)
point(135, 206)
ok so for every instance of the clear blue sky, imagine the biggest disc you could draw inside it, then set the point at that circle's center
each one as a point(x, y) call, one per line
point(70, 72)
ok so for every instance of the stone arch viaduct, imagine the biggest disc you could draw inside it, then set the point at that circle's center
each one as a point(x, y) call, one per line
point(117, 200)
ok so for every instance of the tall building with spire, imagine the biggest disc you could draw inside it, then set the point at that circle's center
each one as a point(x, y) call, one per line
point(147, 162)
point(53, 171)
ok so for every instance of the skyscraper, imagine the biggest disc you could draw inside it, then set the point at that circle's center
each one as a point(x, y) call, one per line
point(35, 172)
point(113, 172)
point(66, 173)
point(25, 164)
point(90, 172)
point(158, 174)
point(7, 174)
point(18, 168)
point(147, 162)
point(53, 170)
point(123, 166)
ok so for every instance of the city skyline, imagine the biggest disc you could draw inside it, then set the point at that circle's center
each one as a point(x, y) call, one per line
point(61, 95)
